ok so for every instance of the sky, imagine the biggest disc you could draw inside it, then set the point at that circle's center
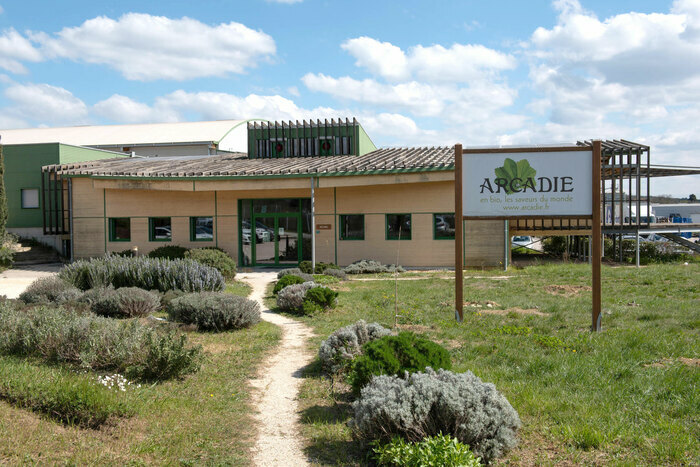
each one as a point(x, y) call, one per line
point(414, 72)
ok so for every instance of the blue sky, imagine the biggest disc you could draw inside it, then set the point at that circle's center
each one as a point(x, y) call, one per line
point(415, 73)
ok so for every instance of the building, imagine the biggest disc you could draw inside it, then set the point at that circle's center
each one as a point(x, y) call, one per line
point(26, 201)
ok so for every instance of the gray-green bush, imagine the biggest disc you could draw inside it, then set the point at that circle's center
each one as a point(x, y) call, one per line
point(213, 311)
point(430, 403)
point(127, 302)
point(215, 258)
point(370, 266)
point(143, 272)
point(291, 298)
point(346, 343)
point(59, 335)
point(48, 290)
point(334, 272)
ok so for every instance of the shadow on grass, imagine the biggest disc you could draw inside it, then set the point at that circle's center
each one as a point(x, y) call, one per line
point(329, 438)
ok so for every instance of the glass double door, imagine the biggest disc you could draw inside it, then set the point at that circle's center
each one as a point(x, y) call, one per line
point(276, 239)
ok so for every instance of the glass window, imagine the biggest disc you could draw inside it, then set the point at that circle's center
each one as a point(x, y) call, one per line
point(398, 226)
point(119, 229)
point(201, 229)
point(160, 229)
point(444, 226)
point(30, 198)
point(352, 227)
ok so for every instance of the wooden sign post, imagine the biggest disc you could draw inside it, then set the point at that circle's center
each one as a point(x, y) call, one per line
point(543, 183)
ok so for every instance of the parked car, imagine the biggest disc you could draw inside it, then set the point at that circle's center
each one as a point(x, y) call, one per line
point(261, 234)
point(521, 241)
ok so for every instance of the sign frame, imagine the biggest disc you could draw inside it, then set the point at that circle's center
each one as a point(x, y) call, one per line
point(595, 216)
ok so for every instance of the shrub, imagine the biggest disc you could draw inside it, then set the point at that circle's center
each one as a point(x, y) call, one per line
point(169, 252)
point(67, 397)
point(333, 272)
point(346, 343)
point(92, 295)
point(215, 258)
point(306, 267)
point(555, 246)
point(439, 450)
point(291, 298)
point(128, 253)
point(295, 272)
point(169, 296)
point(426, 404)
point(394, 355)
point(143, 272)
point(368, 266)
point(127, 302)
point(289, 279)
point(319, 298)
point(60, 335)
point(48, 290)
point(6, 255)
point(213, 311)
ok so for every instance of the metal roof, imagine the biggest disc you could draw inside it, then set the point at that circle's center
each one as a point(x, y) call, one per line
point(124, 135)
point(239, 165)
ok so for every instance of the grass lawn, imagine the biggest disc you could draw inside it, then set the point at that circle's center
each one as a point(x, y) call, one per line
point(626, 396)
point(204, 419)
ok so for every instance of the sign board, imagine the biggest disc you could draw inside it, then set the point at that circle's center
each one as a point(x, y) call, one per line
point(323, 226)
point(544, 182)
point(550, 182)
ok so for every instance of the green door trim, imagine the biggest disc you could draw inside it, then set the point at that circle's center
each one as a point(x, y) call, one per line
point(276, 216)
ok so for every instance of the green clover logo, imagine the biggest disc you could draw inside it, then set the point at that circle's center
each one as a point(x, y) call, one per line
point(512, 170)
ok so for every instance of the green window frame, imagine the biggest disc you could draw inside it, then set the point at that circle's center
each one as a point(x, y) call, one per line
point(114, 228)
point(157, 223)
point(398, 219)
point(439, 234)
point(343, 234)
point(193, 229)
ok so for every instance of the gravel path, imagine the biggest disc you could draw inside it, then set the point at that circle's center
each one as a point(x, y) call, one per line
point(279, 442)
point(14, 281)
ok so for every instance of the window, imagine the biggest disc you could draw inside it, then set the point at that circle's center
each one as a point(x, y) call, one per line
point(398, 226)
point(159, 229)
point(201, 229)
point(443, 226)
point(352, 227)
point(30, 198)
point(119, 229)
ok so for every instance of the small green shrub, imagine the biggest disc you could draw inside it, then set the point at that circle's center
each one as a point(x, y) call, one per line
point(169, 252)
point(127, 302)
point(284, 272)
point(91, 296)
point(59, 335)
point(555, 246)
point(306, 267)
point(143, 272)
point(166, 356)
point(369, 266)
point(439, 450)
point(6, 256)
point(169, 296)
point(318, 299)
point(346, 343)
point(128, 253)
point(70, 398)
point(289, 279)
point(394, 355)
point(291, 298)
point(213, 311)
point(429, 403)
point(215, 258)
point(47, 290)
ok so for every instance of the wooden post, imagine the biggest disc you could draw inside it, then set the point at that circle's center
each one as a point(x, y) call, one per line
point(596, 237)
point(459, 234)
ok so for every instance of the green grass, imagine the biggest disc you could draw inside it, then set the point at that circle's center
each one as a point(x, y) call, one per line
point(206, 418)
point(622, 396)
point(238, 288)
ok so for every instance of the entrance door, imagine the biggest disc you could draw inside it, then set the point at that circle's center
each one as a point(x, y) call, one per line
point(276, 239)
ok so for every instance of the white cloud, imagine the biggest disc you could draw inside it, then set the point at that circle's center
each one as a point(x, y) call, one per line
point(144, 47)
point(45, 104)
point(458, 63)
point(15, 49)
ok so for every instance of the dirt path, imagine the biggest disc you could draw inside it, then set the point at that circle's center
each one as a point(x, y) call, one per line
point(279, 442)
point(14, 281)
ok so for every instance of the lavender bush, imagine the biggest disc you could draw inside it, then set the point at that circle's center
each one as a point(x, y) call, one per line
point(346, 343)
